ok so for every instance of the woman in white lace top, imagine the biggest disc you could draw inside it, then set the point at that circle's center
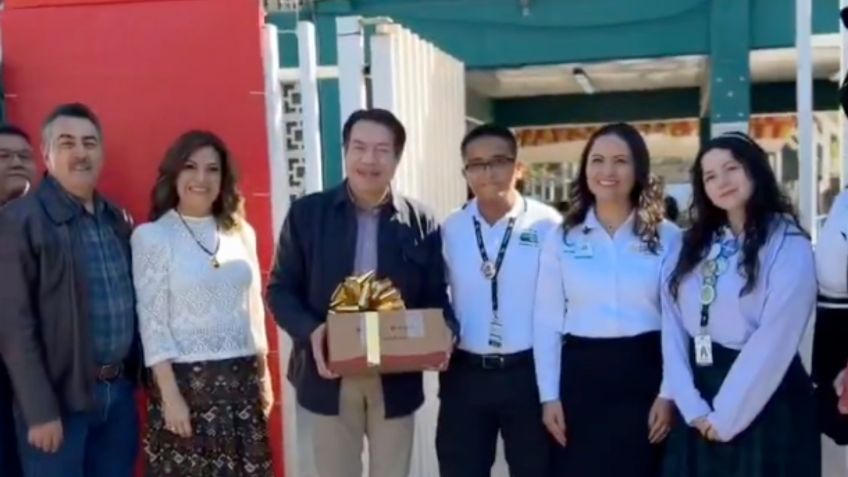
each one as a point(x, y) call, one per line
point(202, 319)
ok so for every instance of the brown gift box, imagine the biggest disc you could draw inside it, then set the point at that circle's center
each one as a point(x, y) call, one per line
point(401, 341)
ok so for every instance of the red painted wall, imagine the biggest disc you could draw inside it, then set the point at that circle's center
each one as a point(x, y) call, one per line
point(151, 69)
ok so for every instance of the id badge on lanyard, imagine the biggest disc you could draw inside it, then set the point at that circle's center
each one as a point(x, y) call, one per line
point(490, 271)
point(716, 264)
point(703, 349)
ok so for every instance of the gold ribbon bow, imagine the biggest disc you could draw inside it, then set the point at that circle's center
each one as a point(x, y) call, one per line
point(365, 294)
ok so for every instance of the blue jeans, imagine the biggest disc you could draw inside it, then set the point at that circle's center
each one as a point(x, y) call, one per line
point(8, 449)
point(101, 442)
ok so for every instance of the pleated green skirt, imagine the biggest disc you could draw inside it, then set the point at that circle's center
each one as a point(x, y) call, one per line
point(783, 441)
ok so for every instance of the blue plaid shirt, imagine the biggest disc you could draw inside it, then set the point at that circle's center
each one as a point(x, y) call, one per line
point(111, 297)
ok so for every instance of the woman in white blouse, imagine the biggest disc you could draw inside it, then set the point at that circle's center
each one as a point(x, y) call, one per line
point(740, 294)
point(202, 319)
point(830, 345)
point(599, 286)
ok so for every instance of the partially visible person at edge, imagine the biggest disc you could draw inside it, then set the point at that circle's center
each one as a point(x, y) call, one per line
point(202, 319)
point(67, 324)
point(830, 338)
point(356, 227)
point(737, 301)
point(17, 174)
point(672, 210)
point(17, 163)
point(491, 249)
point(598, 318)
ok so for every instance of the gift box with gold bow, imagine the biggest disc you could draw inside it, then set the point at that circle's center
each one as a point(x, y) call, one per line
point(369, 330)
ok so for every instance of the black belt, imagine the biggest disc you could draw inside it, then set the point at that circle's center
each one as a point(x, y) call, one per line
point(108, 372)
point(494, 361)
point(825, 301)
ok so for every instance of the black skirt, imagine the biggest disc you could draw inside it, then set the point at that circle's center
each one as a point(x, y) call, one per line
point(783, 441)
point(608, 386)
point(830, 355)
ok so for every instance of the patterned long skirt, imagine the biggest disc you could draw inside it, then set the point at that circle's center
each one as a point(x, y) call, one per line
point(229, 429)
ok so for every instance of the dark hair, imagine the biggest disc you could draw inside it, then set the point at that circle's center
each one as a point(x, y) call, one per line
point(227, 208)
point(646, 196)
point(767, 203)
point(71, 110)
point(672, 211)
point(490, 130)
point(382, 117)
point(12, 130)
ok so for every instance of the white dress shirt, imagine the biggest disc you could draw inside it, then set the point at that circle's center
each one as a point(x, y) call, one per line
point(832, 251)
point(471, 292)
point(595, 285)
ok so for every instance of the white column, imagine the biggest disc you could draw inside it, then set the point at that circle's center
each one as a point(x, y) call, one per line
point(807, 180)
point(276, 130)
point(350, 44)
point(279, 207)
point(308, 66)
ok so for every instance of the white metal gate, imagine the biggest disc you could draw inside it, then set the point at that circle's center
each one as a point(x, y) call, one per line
point(425, 88)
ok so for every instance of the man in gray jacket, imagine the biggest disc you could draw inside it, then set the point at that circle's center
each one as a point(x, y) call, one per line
point(67, 322)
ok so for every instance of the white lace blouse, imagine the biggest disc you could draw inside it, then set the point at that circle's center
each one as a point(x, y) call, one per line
point(188, 310)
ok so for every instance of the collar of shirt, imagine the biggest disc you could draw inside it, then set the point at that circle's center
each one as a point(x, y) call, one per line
point(592, 224)
point(344, 196)
point(517, 209)
point(73, 207)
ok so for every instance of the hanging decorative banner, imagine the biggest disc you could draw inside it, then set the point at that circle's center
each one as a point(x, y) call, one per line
point(761, 128)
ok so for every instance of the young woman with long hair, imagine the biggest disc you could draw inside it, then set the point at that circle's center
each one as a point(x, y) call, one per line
point(736, 302)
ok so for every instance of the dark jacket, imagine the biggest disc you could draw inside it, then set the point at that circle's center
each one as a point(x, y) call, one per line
point(315, 253)
point(44, 331)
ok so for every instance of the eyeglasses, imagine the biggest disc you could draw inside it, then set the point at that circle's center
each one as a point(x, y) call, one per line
point(498, 164)
point(7, 155)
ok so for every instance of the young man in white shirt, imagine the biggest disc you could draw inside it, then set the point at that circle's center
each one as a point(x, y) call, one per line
point(492, 249)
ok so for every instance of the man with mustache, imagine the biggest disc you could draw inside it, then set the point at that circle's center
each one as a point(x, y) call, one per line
point(67, 321)
point(17, 172)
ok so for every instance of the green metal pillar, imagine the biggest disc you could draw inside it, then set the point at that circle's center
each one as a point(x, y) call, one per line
point(329, 101)
point(729, 89)
point(328, 89)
